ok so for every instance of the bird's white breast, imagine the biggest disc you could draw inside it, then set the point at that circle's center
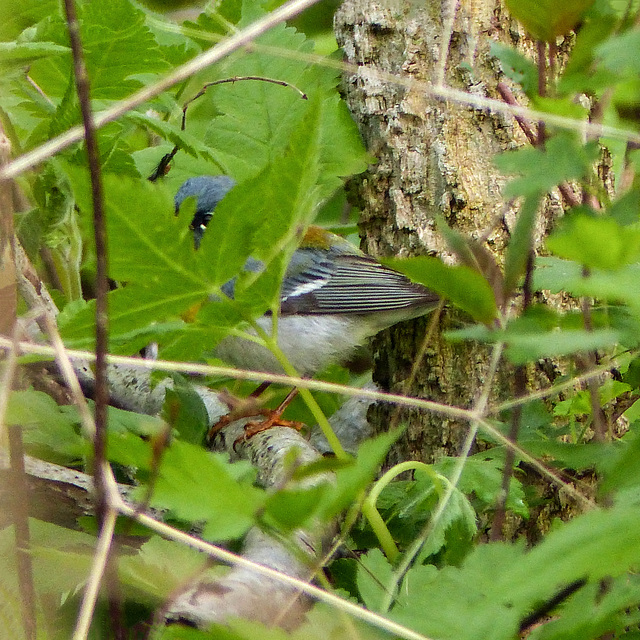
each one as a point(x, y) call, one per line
point(310, 343)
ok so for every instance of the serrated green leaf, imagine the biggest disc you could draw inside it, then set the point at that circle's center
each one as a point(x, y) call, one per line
point(158, 568)
point(482, 476)
point(563, 158)
point(184, 140)
point(199, 486)
point(119, 50)
point(596, 242)
point(15, 56)
point(17, 15)
point(374, 573)
point(460, 284)
point(48, 430)
point(517, 67)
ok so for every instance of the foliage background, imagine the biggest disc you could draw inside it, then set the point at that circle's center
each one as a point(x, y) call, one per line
point(290, 157)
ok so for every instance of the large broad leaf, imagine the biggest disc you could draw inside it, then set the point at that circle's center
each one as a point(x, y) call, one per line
point(200, 486)
point(15, 56)
point(546, 19)
point(255, 120)
point(17, 15)
point(119, 50)
point(597, 242)
point(463, 286)
point(498, 585)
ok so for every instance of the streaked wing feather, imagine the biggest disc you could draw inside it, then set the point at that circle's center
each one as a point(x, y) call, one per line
point(353, 284)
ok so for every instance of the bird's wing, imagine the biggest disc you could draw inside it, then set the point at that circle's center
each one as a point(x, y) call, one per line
point(350, 284)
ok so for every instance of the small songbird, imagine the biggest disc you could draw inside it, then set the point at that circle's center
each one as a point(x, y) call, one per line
point(333, 296)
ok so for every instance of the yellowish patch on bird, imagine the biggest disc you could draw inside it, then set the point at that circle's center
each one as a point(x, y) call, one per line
point(317, 237)
point(190, 314)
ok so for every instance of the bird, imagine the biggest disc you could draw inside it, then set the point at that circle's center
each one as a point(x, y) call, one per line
point(208, 191)
point(333, 296)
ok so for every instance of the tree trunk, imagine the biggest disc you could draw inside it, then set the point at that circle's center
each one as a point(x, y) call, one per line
point(434, 158)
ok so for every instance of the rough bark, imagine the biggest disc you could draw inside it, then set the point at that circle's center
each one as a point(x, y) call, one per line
point(434, 158)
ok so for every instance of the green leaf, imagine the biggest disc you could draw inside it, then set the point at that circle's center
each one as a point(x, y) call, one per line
point(521, 244)
point(257, 117)
point(17, 15)
point(160, 567)
point(556, 274)
point(622, 468)
point(200, 486)
point(120, 51)
point(482, 477)
point(463, 286)
point(185, 411)
point(14, 56)
point(546, 19)
point(596, 242)
point(517, 67)
point(618, 53)
point(293, 508)
point(374, 573)
point(353, 479)
point(523, 348)
point(563, 158)
point(498, 584)
point(48, 430)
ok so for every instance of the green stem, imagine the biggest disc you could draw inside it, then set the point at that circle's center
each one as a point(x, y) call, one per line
point(272, 344)
point(371, 513)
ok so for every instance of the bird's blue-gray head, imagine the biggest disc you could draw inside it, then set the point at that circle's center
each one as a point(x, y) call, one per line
point(208, 191)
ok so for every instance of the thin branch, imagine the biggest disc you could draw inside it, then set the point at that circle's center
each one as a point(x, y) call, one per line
point(137, 364)
point(100, 237)
point(565, 190)
point(98, 567)
point(20, 513)
point(542, 87)
point(163, 165)
point(104, 514)
point(6, 382)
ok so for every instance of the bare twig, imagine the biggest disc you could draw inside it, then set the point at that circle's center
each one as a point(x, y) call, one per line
point(104, 514)
point(163, 165)
point(98, 567)
point(542, 87)
point(565, 190)
point(20, 512)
